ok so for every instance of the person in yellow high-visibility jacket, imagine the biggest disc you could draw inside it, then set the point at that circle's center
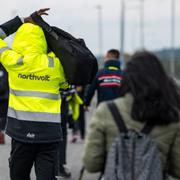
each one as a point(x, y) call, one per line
point(35, 78)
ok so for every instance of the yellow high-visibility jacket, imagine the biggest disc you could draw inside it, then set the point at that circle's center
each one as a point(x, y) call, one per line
point(74, 105)
point(35, 78)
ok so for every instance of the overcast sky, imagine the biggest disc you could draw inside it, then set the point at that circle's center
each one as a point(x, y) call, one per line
point(79, 17)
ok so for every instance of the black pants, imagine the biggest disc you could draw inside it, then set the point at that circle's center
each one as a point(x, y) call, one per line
point(23, 156)
point(80, 124)
point(3, 114)
point(63, 143)
point(2, 123)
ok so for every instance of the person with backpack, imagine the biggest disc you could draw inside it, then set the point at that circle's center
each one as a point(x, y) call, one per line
point(107, 82)
point(137, 136)
point(4, 93)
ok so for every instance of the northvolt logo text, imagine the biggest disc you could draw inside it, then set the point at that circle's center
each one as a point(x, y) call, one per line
point(34, 77)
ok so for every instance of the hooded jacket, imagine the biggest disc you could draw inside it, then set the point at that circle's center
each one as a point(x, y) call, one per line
point(35, 78)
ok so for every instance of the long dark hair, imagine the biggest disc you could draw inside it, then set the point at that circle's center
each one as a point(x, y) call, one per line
point(156, 95)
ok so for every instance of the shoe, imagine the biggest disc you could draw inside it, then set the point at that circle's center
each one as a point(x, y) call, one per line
point(2, 139)
point(74, 138)
point(82, 141)
point(63, 172)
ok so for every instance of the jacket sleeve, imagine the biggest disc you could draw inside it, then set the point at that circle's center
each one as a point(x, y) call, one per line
point(95, 146)
point(7, 56)
point(174, 167)
point(10, 27)
point(91, 90)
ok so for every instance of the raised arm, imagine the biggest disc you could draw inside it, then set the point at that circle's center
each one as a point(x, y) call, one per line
point(12, 26)
point(8, 28)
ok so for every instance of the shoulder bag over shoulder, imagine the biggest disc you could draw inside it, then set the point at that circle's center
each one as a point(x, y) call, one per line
point(80, 65)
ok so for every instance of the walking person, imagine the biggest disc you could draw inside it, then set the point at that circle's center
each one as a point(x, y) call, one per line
point(79, 130)
point(63, 171)
point(35, 77)
point(107, 81)
point(69, 98)
point(148, 97)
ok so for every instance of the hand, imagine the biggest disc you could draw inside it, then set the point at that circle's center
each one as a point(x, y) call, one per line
point(43, 12)
point(79, 89)
point(39, 12)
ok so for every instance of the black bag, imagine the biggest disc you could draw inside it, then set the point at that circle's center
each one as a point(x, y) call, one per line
point(80, 65)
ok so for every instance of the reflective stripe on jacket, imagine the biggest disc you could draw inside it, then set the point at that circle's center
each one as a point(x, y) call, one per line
point(35, 78)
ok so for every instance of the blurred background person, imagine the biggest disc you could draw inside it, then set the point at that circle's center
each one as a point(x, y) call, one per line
point(70, 100)
point(63, 171)
point(79, 130)
point(107, 81)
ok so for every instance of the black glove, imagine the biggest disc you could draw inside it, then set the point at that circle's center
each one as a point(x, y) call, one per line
point(45, 26)
point(11, 26)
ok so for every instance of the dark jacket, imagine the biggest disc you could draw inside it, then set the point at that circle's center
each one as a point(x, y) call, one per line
point(4, 87)
point(107, 83)
point(4, 92)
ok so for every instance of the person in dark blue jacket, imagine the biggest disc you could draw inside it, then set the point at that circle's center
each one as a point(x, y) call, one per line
point(107, 81)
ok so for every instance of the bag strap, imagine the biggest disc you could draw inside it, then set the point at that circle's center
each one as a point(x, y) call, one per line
point(147, 129)
point(63, 33)
point(117, 117)
point(81, 173)
point(46, 27)
point(120, 123)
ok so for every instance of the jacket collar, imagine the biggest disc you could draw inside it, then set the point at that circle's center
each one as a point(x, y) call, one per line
point(113, 62)
point(128, 101)
point(125, 102)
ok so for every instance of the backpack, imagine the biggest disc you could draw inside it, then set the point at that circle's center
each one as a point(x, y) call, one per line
point(79, 64)
point(133, 155)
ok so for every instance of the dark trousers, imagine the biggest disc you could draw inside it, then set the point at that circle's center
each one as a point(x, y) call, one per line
point(80, 124)
point(2, 123)
point(24, 155)
point(3, 114)
point(63, 143)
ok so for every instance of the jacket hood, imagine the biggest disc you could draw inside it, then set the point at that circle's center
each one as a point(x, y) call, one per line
point(29, 39)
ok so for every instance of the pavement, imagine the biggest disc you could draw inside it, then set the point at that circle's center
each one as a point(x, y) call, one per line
point(74, 158)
